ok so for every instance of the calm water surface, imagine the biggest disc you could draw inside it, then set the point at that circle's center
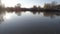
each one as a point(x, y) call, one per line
point(29, 22)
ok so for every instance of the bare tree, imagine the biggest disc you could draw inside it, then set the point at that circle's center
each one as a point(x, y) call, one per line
point(18, 5)
point(54, 3)
point(50, 5)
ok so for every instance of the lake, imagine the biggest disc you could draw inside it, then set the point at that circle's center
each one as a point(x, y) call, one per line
point(29, 22)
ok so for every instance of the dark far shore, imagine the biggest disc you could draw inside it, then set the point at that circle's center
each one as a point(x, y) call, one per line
point(53, 6)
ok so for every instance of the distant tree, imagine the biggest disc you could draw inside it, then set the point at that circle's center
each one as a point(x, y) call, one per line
point(39, 7)
point(50, 5)
point(54, 3)
point(34, 6)
point(47, 6)
point(18, 5)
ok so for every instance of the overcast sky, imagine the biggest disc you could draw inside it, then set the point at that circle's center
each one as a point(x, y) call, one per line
point(27, 3)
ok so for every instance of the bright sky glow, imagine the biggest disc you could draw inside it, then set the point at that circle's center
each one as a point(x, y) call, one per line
point(26, 3)
point(7, 16)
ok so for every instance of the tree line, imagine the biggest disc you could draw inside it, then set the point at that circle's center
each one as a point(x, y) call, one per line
point(52, 5)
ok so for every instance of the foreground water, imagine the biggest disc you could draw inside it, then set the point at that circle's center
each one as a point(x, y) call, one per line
point(27, 22)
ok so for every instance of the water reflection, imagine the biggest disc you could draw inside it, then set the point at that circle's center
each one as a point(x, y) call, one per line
point(29, 22)
point(9, 14)
point(37, 12)
point(18, 13)
point(51, 14)
point(1, 16)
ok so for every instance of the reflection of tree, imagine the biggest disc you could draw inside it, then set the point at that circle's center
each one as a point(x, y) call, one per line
point(51, 14)
point(1, 19)
point(38, 12)
point(18, 13)
point(34, 12)
point(1, 16)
